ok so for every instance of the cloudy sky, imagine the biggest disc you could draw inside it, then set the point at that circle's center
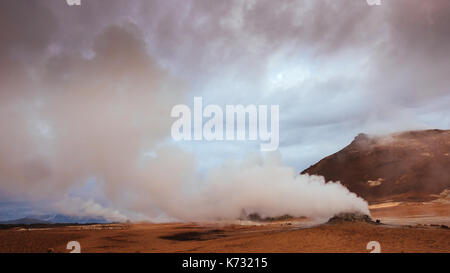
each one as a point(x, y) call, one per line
point(86, 91)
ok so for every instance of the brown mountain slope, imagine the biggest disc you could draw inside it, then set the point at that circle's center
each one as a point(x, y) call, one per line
point(402, 166)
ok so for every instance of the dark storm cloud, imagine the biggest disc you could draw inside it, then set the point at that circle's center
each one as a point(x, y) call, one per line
point(404, 44)
point(413, 62)
point(405, 41)
point(25, 26)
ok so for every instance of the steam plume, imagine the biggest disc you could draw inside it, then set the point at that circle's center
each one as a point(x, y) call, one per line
point(66, 117)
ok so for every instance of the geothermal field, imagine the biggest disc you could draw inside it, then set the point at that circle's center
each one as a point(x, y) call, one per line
point(404, 227)
point(412, 218)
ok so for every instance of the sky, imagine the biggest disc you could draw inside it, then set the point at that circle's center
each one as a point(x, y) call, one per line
point(86, 93)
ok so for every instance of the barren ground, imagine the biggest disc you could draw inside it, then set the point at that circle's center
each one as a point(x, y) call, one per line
point(407, 227)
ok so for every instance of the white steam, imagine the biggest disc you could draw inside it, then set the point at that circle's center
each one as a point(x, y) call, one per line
point(70, 118)
point(257, 185)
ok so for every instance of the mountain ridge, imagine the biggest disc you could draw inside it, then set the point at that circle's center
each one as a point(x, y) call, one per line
point(411, 165)
point(55, 219)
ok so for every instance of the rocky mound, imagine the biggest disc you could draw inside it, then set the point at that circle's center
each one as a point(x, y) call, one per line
point(408, 166)
point(256, 217)
point(350, 217)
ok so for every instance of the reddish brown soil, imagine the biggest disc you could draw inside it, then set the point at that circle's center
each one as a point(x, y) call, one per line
point(283, 236)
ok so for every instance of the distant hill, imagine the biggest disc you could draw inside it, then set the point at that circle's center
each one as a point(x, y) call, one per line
point(64, 219)
point(403, 166)
point(24, 221)
point(55, 219)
